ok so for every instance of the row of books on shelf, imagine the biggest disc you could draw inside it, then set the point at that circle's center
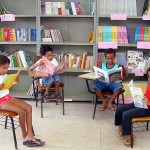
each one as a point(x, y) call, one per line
point(108, 7)
point(133, 59)
point(142, 34)
point(60, 8)
point(119, 34)
point(18, 58)
point(17, 34)
point(51, 35)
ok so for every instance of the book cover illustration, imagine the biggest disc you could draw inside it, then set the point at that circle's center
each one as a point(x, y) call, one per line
point(10, 80)
point(52, 67)
point(137, 95)
point(135, 59)
point(109, 76)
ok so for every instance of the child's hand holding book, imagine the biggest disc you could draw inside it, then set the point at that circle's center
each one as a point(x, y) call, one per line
point(1, 86)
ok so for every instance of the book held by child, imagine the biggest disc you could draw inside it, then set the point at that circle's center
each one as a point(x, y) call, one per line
point(109, 76)
point(52, 68)
point(137, 95)
point(10, 80)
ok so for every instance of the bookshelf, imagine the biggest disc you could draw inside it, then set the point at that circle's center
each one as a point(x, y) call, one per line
point(75, 30)
point(104, 19)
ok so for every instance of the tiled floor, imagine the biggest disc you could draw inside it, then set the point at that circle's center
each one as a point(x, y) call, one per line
point(76, 130)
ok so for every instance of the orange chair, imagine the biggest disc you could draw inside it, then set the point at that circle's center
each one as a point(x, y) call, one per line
point(11, 115)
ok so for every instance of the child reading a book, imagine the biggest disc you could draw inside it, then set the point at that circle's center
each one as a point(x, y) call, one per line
point(101, 86)
point(125, 113)
point(47, 52)
point(24, 110)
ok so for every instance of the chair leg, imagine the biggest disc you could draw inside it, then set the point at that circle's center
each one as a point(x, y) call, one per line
point(147, 125)
point(14, 133)
point(6, 122)
point(36, 96)
point(63, 101)
point(131, 134)
point(42, 96)
point(123, 98)
point(95, 106)
point(117, 100)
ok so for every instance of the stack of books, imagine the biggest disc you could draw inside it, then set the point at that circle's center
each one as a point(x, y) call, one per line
point(60, 8)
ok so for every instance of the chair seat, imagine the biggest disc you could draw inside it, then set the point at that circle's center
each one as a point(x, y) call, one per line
point(8, 113)
point(110, 93)
point(52, 87)
point(140, 119)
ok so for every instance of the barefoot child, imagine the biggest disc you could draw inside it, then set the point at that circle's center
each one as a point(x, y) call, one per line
point(24, 110)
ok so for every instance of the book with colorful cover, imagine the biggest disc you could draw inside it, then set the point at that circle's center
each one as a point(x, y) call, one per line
point(52, 68)
point(137, 95)
point(109, 76)
point(10, 80)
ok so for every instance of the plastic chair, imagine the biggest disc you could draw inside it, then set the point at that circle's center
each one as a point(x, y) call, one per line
point(139, 119)
point(11, 115)
point(109, 94)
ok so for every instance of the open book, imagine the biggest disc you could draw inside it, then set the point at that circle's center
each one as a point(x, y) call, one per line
point(52, 68)
point(108, 76)
point(137, 95)
point(10, 80)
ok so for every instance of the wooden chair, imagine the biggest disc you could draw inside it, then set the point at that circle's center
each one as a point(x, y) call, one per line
point(41, 90)
point(11, 115)
point(109, 94)
point(139, 119)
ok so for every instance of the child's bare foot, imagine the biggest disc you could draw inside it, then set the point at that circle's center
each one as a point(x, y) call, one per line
point(110, 106)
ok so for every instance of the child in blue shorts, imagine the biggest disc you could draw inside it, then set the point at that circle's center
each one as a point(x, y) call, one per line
point(47, 52)
point(101, 86)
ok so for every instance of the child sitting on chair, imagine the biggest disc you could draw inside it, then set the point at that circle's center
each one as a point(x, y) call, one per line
point(24, 110)
point(47, 52)
point(101, 86)
point(125, 113)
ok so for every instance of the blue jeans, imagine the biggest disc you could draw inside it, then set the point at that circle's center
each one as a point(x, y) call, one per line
point(49, 80)
point(104, 86)
point(125, 113)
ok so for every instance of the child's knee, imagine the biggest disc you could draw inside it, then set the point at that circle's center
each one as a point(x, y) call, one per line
point(29, 108)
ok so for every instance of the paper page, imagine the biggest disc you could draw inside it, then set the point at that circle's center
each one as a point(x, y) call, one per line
point(115, 75)
point(60, 68)
point(138, 97)
point(101, 74)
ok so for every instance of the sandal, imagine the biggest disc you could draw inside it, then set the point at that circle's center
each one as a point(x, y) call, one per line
point(121, 137)
point(58, 97)
point(102, 108)
point(46, 98)
point(112, 108)
point(128, 144)
point(31, 143)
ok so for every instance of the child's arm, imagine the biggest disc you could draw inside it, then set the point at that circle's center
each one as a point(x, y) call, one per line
point(124, 73)
point(36, 65)
point(1, 86)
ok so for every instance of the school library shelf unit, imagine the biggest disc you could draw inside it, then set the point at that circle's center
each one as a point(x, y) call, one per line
point(75, 30)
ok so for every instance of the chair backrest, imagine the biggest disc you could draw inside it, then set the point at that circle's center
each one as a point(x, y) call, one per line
point(36, 58)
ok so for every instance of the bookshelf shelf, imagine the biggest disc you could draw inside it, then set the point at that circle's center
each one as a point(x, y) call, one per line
point(19, 43)
point(25, 16)
point(78, 70)
point(68, 43)
point(67, 16)
point(17, 68)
